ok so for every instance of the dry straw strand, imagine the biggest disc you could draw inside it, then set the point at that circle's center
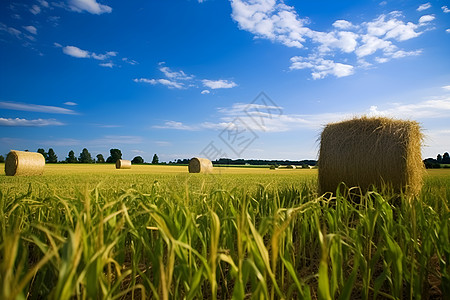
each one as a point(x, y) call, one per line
point(200, 165)
point(371, 151)
point(123, 164)
point(24, 163)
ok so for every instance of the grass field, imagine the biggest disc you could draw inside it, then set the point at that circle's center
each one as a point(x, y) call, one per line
point(94, 232)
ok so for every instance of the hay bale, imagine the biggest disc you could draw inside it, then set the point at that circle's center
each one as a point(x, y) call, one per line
point(24, 163)
point(200, 165)
point(291, 167)
point(123, 164)
point(371, 151)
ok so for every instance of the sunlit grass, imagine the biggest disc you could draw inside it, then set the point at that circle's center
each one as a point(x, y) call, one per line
point(167, 234)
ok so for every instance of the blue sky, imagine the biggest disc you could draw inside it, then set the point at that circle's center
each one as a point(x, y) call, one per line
point(240, 78)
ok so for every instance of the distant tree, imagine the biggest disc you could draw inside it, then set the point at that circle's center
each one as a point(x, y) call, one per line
point(71, 159)
point(51, 156)
point(155, 159)
point(439, 158)
point(42, 151)
point(85, 157)
point(137, 160)
point(446, 158)
point(100, 159)
point(431, 163)
point(2, 159)
point(115, 154)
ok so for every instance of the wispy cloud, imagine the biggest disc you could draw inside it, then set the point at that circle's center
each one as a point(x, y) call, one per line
point(181, 80)
point(424, 6)
point(117, 140)
point(176, 125)
point(70, 103)
point(91, 6)
point(278, 22)
point(445, 9)
point(35, 9)
point(31, 29)
point(80, 53)
point(17, 122)
point(37, 108)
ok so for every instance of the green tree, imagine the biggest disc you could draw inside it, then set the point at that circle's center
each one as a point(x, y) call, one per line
point(100, 159)
point(137, 160)
point(115, 154)
point(439, 158)
point(155, 159)
point(42, 151)
point(446, 158)
point(51, 156)
point(2, 159)
point(85, 157)
point(71, 159)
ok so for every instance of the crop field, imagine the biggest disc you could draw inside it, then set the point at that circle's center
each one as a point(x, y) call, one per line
point(94, 232)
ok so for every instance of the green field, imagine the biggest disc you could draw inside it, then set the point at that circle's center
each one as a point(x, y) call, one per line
point(94, 232)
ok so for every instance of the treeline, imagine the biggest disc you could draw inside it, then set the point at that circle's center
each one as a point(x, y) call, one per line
point(253, 162)
point(86, 158)
point(441, 161)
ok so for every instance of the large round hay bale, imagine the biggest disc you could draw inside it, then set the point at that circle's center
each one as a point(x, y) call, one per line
point(24, 163)
point(365, 152)
point(123, 164)
point(200, 165)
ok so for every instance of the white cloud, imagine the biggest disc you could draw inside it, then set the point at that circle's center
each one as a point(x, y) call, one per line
point(321, 67)
point(36, 108)
point(270, 19)
point(129, 61)
point(116, 140)
point(278, 22)
point(166, 82)
point(175, 75)
point(107, 65)
point(445, 9)
point(218, 84)
point(91, 6)
point(175, 125)
point(343, 24)
point(35, 9)
point(424, 6)
point(447, 30)
point(426, 19)
point(70, 103)
point(29, 123)
point(76, 52)
point(44, 3)
point(204, 92)
point(446, 87)
point(104, 56)
point(30, 29)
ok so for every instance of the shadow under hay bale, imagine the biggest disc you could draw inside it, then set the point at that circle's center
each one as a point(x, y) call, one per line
point(200, 165)
point(371, 152)
point(123, 164)
point(24, 163)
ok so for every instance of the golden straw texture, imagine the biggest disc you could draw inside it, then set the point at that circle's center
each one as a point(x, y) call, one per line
point(24, 163)
point(375, 151)
point(200, 165)
point(123, 164)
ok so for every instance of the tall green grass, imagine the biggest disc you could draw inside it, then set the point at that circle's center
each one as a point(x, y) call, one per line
point(191, 237)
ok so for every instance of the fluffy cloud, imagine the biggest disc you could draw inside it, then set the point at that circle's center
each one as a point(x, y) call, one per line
point(29, 123)
point(36, 108)
point(218, 84)
point(204, 92)
point(107, 65)
point(445, 9)
point(30, 29)
point(91, 6)
point(278, 22)
point(35, 9)
point(426, 18)
point(175, 125)
point(424, 6)
point(447, 30)
point(320, 67)
point(76, 52)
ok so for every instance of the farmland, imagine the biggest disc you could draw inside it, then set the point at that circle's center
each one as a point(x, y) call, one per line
point(91, 231)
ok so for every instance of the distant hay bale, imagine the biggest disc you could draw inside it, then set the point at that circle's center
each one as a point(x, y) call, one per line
point(371, 151)
point(123, 164)
point(24, 163)
point(200, 165)
point(291, 167)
